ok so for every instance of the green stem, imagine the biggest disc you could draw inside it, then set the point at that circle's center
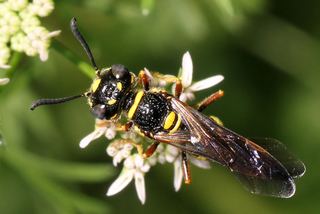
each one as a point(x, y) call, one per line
point(14, 62)
point(83, 66)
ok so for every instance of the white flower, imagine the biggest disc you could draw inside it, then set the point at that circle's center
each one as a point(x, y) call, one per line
point(119, 150)
point(42, 7)
point(39, 40)
point(178, 173)
point(101, 127)
point(29, 23)
point(17, 5)
point(170, 154)
point(20, 28)
point(135, 168)
point(173, 155)
point(9, 22)
point(4, 81)
point(186, 80)
point(19, 42)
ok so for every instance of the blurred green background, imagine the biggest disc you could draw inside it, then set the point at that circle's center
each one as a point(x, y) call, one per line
point(268, 51)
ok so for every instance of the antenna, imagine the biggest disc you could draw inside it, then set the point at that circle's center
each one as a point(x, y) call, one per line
point(84, 44)
point(52, 101)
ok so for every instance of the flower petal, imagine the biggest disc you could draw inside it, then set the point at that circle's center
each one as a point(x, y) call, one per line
point(4, 81)
point(90, 137)
point(140, 186)
point(138, 161)
point(121, 182)
point(117, 159)
point(3, 66)
point(110, 132)
point(178, 174)
point(53, 33)
point(43, 54)
point(187, 70)
point(206, 83)
point(183, 97)
point(204, 164)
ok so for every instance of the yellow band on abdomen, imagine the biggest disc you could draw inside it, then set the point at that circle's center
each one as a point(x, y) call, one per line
point(176, 126)
point(169, 120)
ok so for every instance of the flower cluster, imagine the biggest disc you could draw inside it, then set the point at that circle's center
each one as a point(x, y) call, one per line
point(128, 147)
point(21, 30)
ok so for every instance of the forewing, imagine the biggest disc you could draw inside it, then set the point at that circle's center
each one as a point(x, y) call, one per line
point(256, 168)
point(294, 166)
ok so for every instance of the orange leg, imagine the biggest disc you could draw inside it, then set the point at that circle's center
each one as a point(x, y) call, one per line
point(178, 88)
point(124, 127)
point(207, 101)
point(150, 150)
point(186, 168)
point(144, 80)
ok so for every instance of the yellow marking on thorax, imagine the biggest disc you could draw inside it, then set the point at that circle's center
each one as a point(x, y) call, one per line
point(119, 86)
point(135, 104)
point(95, 84)
point(169, 120)
point(111, 102)
point(176, 126)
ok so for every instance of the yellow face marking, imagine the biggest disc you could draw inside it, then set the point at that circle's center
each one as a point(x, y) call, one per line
point(111, 102)
point(90, 103)
point(95, 84)
point(176, 126)
point(119, 86)
point(169, 120)
point(135, 104)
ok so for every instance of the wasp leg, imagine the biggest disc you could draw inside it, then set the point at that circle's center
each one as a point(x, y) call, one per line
point(144, 80)
point(170, 79)
point(207, 101)
point(178, 89)
point(186, 168)
point(150, 150)
point(126, 127)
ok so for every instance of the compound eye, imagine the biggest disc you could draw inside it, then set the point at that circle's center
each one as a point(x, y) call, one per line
point(99, 111)
point(120, 72)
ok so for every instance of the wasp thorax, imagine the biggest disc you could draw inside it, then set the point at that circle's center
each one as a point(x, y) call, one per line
point(108, 91)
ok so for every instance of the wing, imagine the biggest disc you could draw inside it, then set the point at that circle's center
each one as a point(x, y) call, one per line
point(255, 167)
point(278, 150)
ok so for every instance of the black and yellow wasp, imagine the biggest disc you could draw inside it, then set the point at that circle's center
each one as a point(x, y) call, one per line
point(264, 166)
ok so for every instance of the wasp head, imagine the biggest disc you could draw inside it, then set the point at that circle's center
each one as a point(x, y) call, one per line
point(108, 90)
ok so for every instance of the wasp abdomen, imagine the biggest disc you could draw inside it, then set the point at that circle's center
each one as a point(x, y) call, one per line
point(151, 112)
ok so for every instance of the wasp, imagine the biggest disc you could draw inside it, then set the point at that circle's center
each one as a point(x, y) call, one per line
point(263, 166)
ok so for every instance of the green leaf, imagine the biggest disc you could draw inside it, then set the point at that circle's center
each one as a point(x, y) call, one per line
point(83, 66)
